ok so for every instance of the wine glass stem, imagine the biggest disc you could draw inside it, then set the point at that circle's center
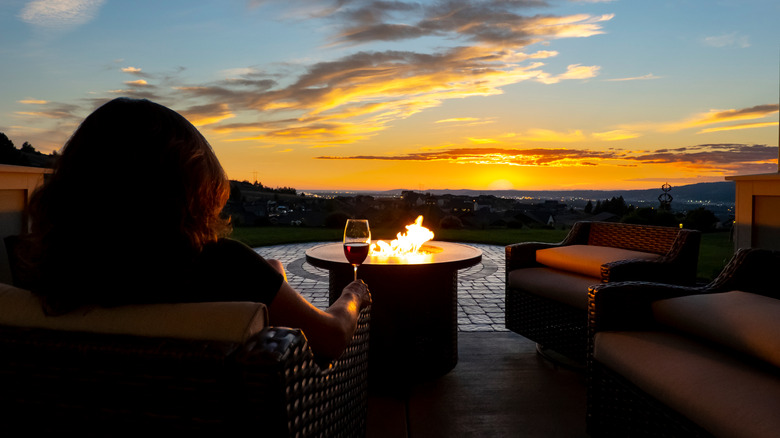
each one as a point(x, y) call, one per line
point(355, 266)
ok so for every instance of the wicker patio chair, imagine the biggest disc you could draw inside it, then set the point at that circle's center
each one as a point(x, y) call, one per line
point(548, 305)
point(616, 407)
point(102, 384)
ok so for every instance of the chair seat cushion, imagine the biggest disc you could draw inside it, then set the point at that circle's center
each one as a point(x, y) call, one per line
point(746, 322)
point(563, 286)
point(222, 321)
point(716, 390)
point(587, 259)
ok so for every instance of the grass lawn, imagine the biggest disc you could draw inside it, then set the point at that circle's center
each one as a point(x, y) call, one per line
point(716, 248)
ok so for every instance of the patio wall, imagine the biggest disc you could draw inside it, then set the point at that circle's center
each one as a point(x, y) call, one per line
point(16, 185)
point(757, 218)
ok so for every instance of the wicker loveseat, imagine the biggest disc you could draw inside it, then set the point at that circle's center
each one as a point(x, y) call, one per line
point(204, 369)
point(688, 361)
point(547, 283)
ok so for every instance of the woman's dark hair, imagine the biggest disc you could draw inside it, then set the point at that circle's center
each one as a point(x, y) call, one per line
point(135, 194)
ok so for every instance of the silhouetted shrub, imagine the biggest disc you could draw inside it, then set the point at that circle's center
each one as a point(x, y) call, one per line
point(336, 220)
point(450, 223)
point(700, 219)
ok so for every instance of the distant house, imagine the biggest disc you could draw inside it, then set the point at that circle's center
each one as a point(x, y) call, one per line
point(461, 207)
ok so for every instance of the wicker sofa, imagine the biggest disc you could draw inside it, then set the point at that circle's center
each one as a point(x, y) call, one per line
point(204, 369)
point(678, 361)
point(547, 283)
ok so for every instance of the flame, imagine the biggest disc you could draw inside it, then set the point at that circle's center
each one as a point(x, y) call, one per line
point(404, 245)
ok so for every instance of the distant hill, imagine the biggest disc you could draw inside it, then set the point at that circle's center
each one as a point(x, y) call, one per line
point(715, 192)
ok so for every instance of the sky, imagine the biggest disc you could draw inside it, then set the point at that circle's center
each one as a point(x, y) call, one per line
point(382, 95)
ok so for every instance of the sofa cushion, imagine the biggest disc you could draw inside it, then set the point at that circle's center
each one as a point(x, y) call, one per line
point(717, 391)
point(563, 286)
point(746, 322)
point(587, 259)
point(221, 321)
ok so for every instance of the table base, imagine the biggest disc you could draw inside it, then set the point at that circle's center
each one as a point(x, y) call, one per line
point(414, 325)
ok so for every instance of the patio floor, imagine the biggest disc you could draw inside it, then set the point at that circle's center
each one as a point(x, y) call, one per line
point(500, 386)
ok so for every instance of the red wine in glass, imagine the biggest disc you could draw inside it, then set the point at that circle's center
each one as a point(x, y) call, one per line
point(356, 252)
point(357, 239)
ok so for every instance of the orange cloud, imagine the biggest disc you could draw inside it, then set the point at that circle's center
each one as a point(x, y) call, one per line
point(739, 126)
point(707, 158)
point(723, 116)
point(137, 83)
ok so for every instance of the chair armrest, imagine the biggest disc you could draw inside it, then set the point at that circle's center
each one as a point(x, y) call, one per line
point(320, 398)
point(626, 305)
point(750, 270)
point(657, 271)
point(523, 254)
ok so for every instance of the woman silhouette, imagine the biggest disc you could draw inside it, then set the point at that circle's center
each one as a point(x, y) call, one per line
point(131, 214)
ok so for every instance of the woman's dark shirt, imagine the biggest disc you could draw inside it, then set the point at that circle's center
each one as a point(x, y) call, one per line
point(228, 270)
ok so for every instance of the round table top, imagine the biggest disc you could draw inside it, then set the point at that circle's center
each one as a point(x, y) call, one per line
point(439, 254)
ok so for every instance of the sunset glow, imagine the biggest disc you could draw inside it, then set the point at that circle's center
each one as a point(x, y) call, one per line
point(366, 95)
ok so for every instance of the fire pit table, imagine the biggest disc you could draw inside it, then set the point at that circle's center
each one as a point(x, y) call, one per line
point(414, 321)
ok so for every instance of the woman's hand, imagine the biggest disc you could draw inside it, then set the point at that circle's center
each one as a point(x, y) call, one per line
point(360, 290)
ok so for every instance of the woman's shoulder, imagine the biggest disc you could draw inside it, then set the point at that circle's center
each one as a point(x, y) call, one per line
point(226, 247)
point(226, 243)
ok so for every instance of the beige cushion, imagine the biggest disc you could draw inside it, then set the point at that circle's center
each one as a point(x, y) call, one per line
point(746, 322)
point(223, 321)
point(587, 259)
point(566, 287)
point(718, 392)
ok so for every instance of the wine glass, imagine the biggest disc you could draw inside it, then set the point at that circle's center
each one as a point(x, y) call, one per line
point(357, 238)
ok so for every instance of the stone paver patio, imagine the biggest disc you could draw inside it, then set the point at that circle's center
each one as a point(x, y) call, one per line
point(480, 287)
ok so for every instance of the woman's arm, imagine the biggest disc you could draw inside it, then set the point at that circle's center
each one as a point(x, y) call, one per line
point(328, 332)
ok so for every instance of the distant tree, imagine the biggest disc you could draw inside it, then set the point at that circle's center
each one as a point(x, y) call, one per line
point(700, 219)
point(616, 206)
point(651, 216)
point(235, 192)
point(589, 207)
point(8, 152)
point(27, 156)
point(28, 148)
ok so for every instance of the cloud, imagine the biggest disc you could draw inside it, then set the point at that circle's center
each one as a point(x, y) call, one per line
point(718, 159)
point(493, 22)
point(373, 87)
point(738, 126)
point(481, 48)
point(458, 120)
point(208, 114)
point(60, 14)
point(51, 110)
point(715, 117)
point(138, 83)
point(732, 39)
point(646, 77)
point(617, 134)
point(496, 155)
point(719, 116)
point(574, 71)
point(33, 101)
